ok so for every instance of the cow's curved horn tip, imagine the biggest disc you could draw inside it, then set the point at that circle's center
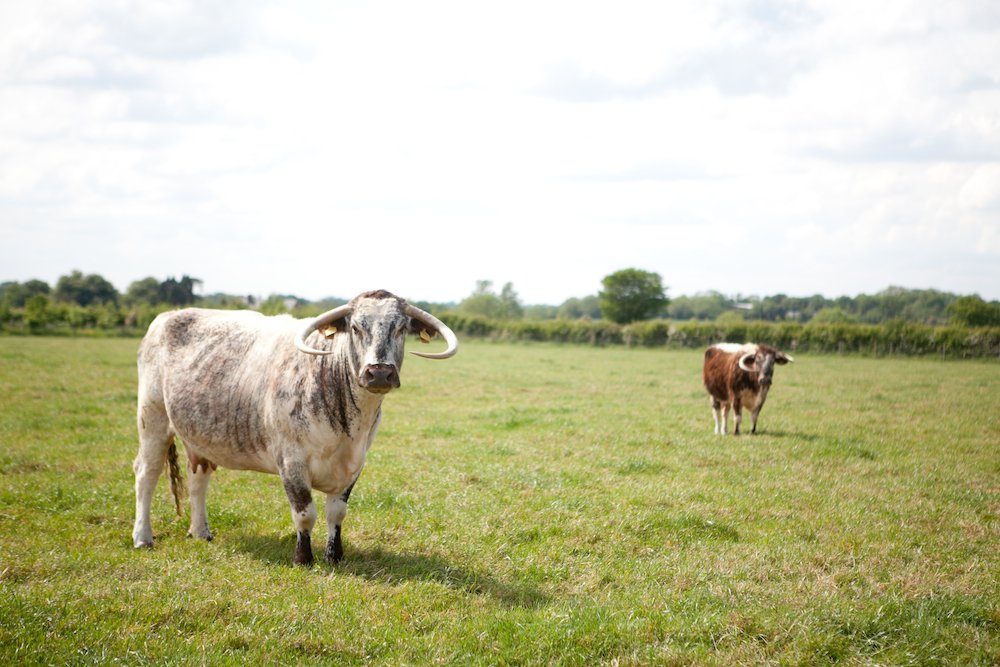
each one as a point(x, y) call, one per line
point(317, 353)
point(435, 355)
point(301, 346)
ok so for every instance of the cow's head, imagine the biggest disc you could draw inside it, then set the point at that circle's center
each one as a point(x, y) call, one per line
point(761, 361)
point(376, 324)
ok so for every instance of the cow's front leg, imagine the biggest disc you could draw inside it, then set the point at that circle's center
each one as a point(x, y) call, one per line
point(298, 489)
point(737, 416)
point(336, 511)
point(758, 406)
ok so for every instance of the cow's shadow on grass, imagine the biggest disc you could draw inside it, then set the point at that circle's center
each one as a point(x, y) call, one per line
point(388, 567)
point(778, 433)
point(764, 433)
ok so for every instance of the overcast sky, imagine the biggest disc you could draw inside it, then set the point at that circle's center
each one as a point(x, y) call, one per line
point(325, 148)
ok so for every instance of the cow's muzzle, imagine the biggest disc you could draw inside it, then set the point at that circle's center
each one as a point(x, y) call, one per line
point(380, 378)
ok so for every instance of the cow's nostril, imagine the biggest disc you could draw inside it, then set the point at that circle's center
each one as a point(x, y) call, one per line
point(380, 376)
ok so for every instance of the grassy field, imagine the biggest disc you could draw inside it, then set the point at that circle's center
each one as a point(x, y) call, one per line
point(526, 504)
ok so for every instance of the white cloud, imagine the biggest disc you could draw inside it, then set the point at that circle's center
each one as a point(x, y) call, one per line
point(319, 149)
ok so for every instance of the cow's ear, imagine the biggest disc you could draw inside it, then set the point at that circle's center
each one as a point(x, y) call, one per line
point(418, 328)
point(783, 358)
point(339, 325)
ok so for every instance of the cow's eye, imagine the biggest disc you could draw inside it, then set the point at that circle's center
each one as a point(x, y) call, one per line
point(358, 331)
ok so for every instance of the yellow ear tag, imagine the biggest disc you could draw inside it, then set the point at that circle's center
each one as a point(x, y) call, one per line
point(329, 330)
point(424, 336)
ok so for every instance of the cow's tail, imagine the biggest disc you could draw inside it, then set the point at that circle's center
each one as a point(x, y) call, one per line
point(176, 479)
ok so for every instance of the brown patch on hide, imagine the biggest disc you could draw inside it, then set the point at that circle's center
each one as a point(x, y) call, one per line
point(179, 329)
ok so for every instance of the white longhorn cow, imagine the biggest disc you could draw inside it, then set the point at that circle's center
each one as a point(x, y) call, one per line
point(298, 398)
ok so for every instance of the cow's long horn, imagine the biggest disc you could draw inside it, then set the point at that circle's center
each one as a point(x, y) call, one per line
point(743, 362)
point(318, 322)
point(440, 327)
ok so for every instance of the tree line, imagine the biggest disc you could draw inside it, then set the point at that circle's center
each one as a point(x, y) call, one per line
point(90, 303)
point(631, 304)
point(632, 295)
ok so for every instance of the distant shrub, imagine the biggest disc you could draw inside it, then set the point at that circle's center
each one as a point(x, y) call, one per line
point(649, 333)
point(42, 316)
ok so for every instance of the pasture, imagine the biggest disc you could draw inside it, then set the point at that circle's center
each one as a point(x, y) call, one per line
point(526, 504)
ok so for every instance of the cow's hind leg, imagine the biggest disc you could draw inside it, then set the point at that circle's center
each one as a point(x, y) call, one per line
point(717, 416)
point(199, 474)
point(299, 491)
point(336, 511)
point(155, 439)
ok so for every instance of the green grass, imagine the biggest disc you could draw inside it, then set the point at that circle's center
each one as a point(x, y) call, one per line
point(526, 504)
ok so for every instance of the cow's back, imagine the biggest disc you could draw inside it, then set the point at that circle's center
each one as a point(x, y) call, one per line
point(210, 372)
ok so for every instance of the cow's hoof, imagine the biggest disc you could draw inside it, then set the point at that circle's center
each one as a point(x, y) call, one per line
point(142, 538)
point(334, 556)
point(202, 535)
point(303, 550)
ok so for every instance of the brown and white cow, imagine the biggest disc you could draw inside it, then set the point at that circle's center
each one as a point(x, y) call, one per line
point(298, 398)
point(739, 375)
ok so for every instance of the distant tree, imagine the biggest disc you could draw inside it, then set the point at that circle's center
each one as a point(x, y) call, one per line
point(680, 308)
point(570, 309)
point(485, 303)
point(972, 311)
point(891, 302)
point(179, 292)
point(928, 306)
point(632, 294)
point(482, 301)
point(85, 290)
point(277, 304)
point(771, 308)
point(146, 290)
point(16, 295)
point(832, 315)
point(589, 307)
point(510, 304)
point(540, 312)
point(702, 306)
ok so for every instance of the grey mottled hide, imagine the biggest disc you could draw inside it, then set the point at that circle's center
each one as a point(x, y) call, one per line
point(233, 387)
